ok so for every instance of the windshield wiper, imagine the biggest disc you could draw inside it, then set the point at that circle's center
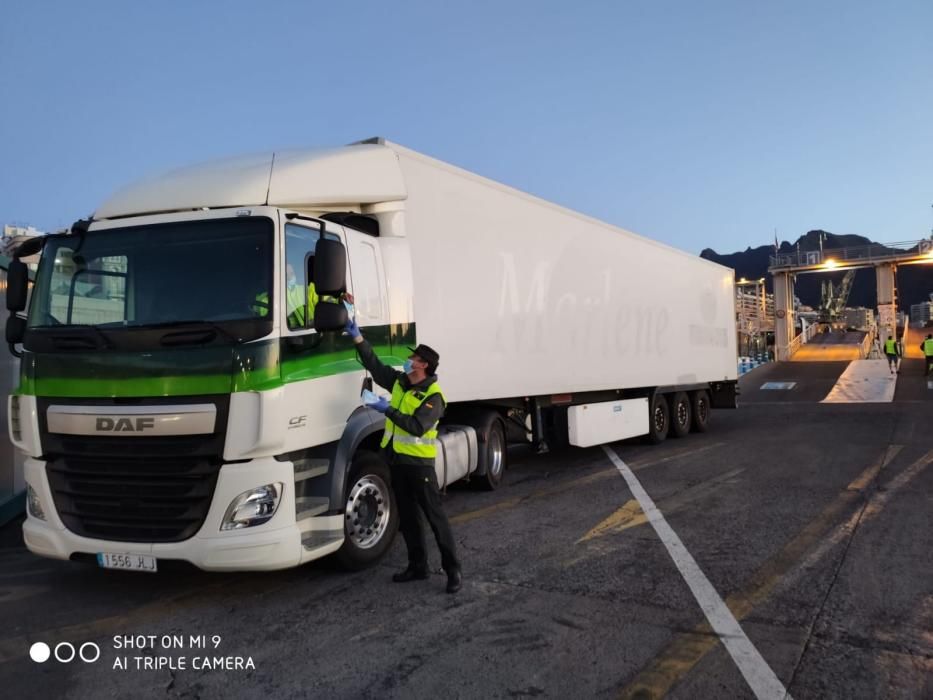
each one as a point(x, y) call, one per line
point(76, 338)
point(192, 336)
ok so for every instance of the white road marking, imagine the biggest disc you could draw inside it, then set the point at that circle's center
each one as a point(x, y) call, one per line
point(759, 676)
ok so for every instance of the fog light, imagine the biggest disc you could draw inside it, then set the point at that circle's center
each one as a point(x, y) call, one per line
point(33, 505)
point(253, 507)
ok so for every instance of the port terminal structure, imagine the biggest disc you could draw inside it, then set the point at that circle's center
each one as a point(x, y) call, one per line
point(884, 258)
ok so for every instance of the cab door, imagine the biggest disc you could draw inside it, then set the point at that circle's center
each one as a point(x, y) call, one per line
point(321, 374)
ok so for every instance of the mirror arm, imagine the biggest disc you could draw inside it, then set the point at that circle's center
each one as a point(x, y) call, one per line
point(293, 215)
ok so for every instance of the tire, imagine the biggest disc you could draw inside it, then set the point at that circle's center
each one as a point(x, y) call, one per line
point(493, 451)
point(681, 414)
point(659, 420)
point(371, 518)
point(701, 410)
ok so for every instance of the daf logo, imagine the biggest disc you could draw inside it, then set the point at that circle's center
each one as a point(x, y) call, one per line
point(124, 425)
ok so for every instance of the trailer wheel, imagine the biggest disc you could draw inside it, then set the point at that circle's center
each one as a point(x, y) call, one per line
point(371, 516)
point(680, 414)
point(701, 410)
point(658, 420)
point(493, 452)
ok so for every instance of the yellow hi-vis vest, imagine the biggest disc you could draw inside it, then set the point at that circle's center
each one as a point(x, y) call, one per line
point(890, 347)
point(404, 443)
point(928, 347)
point(294, 305)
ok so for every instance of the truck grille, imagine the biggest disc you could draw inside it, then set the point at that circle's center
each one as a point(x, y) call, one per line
point(133, 499)
point(134, 489)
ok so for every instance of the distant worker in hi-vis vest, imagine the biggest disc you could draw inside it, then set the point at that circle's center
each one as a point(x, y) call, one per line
point(927, 347)
point(410, 444)
point(891, 352)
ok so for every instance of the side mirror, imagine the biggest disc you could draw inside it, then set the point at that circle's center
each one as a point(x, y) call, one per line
point(329, 316)
point(15, 329)
point(17, 286)
point(330, 268)
point(30, 246)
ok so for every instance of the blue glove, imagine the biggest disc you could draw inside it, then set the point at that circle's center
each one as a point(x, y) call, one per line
point(382, 405)
point(352, 329)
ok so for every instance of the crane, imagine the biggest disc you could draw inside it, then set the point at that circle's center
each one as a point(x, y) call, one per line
point(834, 298)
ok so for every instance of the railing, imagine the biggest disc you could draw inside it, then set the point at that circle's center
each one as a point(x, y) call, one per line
point(862, 254)
point(867, 342)
point(801, 338)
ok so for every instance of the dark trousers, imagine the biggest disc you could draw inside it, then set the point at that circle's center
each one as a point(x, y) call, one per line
point(416, 488)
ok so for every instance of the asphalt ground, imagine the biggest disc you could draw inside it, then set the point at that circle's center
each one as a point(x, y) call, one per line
point(812, 522)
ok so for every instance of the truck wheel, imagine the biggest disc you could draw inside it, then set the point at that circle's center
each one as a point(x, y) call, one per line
point(493, 455)
point(371, 518)
point(680, 414)
point(658, 420)
point(701, 411)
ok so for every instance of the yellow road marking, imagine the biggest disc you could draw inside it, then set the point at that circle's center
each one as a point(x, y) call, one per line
point(689, 648)
point(562, 487)
point(631, 515)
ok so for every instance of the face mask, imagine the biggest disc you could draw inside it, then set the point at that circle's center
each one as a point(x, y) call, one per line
point(291, 282)
point(407, 367)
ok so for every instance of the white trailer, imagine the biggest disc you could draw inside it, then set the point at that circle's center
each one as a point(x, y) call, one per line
point(175, 404)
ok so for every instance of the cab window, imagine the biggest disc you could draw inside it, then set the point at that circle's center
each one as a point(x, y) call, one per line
point(300, 296)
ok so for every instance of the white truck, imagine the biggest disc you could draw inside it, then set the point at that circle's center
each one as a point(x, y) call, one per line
point(176, 403)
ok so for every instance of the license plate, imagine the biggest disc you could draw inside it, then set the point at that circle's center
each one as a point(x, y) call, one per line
point(127, 562)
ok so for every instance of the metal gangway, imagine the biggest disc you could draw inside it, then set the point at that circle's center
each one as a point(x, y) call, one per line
point(901, 253)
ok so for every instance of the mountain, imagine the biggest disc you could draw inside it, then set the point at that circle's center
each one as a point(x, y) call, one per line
point(914, 282)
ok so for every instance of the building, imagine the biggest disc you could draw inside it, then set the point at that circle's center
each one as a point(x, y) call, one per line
point(859, 318)
point(922, 313)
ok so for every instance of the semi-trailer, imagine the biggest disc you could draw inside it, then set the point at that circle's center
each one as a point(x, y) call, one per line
point(179, 399)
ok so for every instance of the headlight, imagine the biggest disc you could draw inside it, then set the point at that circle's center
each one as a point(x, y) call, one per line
point(253, 507)
point(33, 505)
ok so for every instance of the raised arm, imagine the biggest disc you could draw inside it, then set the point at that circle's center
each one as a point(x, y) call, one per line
point(384, 375)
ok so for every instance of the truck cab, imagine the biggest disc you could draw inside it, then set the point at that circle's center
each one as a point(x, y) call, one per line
point(177, 398)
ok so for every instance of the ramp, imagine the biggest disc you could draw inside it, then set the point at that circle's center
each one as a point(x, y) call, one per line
point(864, 381)
point(812, 381)
point(833, 346)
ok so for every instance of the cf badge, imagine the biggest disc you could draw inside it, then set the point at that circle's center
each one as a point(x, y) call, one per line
point(297, 422)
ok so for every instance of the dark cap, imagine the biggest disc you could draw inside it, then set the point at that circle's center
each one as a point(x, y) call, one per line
point(426, 353)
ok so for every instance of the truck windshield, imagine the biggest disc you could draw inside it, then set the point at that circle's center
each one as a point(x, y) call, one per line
point(216, 272)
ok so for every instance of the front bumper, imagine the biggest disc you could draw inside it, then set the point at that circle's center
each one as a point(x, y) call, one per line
point(272, 545)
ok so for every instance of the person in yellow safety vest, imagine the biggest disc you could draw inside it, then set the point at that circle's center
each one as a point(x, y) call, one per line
point(298, 307)
point(892, 352)
point(927, 347)
point(410, 445)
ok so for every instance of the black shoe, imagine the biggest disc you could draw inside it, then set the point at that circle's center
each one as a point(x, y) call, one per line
point(454, 581)
point(409, 574)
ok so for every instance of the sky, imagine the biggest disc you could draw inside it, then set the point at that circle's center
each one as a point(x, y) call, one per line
point(696, 123)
